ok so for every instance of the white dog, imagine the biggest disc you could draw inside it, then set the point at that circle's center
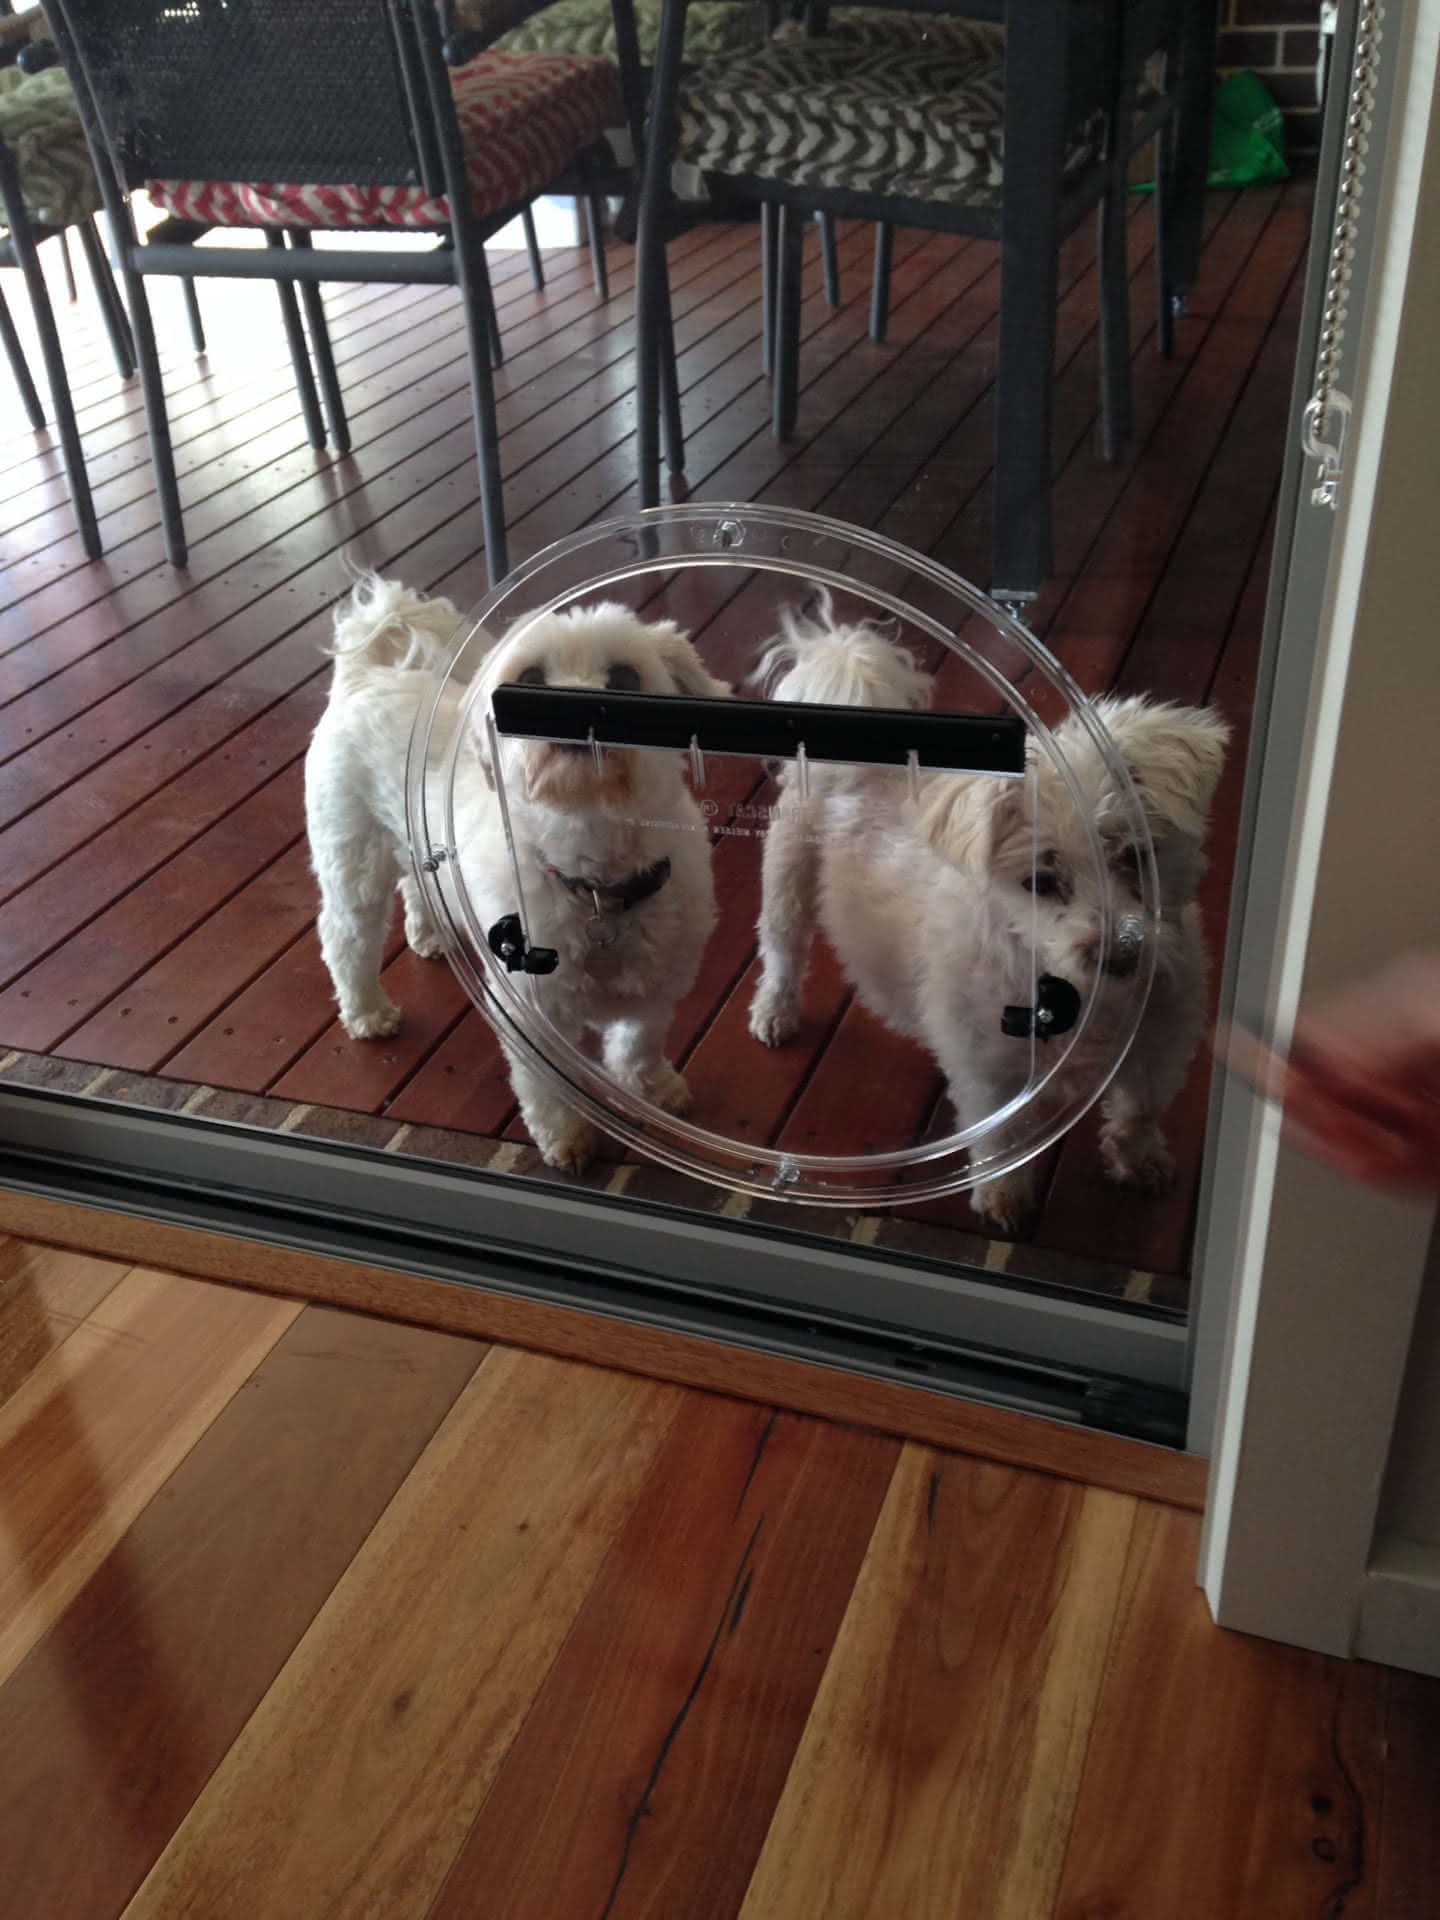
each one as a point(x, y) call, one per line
point(612, 849)
point(942, 914)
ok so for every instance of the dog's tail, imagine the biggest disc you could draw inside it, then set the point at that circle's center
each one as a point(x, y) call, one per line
point(820, 660)
point(384, 624)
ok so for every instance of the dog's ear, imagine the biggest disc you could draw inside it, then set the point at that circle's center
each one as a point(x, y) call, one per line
point(1175, 756)
point(684, 665)
point(967, 817)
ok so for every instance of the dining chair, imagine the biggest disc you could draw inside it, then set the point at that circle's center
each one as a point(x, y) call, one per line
point(1017, 149)
point(1153, 52)
point(714, 27)
point(588, 27)
point(47, 188)
point(334, 116)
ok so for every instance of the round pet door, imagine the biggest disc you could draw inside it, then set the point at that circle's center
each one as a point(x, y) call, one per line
point(781, 855)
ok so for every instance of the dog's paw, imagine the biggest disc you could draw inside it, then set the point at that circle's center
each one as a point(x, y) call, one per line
point(774, 1015)
point(1004, 1203)
point(425, 941)
point(568, 1147)
point(669, 1089)
point(375, 1022)
point(1137, 1157)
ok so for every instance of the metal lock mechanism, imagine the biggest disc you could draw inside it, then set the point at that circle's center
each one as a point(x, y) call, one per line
point(506, 940)
point(1056, 1009)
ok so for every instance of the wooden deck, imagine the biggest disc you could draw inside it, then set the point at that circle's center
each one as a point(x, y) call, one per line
point(679, 1655)
point(156, 939)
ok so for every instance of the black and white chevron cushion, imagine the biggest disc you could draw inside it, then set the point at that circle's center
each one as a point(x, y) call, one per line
point(913, 121)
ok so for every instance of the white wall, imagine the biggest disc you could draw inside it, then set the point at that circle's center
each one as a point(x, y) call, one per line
point(1315, 1407)
point(1410, 1508)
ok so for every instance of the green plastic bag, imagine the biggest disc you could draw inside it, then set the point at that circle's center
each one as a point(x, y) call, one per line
point(1247, 136)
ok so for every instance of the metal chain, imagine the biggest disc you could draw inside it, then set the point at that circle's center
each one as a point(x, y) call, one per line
point(1327, 416)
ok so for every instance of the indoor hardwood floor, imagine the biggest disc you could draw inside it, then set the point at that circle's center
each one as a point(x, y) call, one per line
point(306, 1614)
point(157, 942)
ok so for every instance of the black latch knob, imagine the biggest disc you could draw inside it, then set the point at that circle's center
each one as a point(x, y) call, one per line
point(507, 942)
point(1056, 1009)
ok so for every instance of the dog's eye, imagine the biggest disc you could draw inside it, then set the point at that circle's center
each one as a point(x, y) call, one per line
point(1044, 881)
point(531, 677)
point(1127, 865)
point(623, 679)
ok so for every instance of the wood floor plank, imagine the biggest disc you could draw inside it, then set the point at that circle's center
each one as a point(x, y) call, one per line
point(1409, 1862)
point(355, 1781)
point(1225, 1775)
point(97, 1428)
point(644, 1778)
point(937, 1774)
point(45, 1292)
point(113, 1724)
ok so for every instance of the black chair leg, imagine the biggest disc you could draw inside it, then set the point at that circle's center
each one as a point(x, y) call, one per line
point(769, 239)
point(829, 258)
point(787, 322)
point(474, 288)
point(27, 258)
point(880, 282)
point(486, 294)
point(1023, 405)
point(192, 311)
point(1116, 410)
point(1164, 214)
point(651, 269)
point(595, 234)
point(313, 302)
point(299, 353)
point(112, 311)
point(72, 292)
point(15, 354)
point(162, 453)
point(532, 247)
point(672, 423)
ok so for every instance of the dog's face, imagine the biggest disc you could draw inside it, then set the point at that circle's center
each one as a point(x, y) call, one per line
point(1030, 841)
point(599, 649)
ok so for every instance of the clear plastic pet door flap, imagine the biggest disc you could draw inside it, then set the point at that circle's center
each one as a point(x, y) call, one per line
point(846, 954)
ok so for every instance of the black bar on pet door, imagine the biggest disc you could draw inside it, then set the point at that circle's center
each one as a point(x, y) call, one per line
point(765, 729)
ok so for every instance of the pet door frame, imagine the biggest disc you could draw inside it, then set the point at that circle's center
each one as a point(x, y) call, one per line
point(902, 741)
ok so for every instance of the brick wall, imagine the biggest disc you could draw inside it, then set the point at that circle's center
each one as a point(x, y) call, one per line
point(1280, 41)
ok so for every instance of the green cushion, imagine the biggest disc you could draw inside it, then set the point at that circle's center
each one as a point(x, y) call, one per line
point(40, 124)
point(903, 121)
point(879, 27)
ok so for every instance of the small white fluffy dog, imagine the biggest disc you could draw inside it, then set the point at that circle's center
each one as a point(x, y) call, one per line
point(939, 911)
point(615, 857)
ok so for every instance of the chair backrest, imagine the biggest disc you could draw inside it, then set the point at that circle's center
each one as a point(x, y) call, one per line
point(323, 91)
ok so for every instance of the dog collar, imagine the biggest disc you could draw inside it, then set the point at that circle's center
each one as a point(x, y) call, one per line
point(615, 896)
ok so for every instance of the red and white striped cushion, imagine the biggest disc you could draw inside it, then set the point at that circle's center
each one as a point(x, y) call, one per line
point(523, 118)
